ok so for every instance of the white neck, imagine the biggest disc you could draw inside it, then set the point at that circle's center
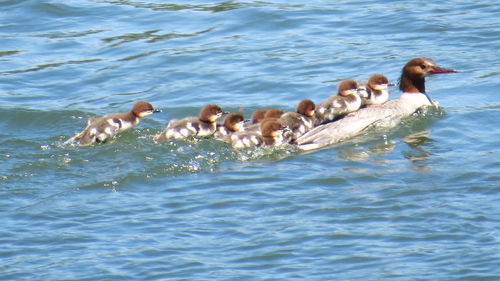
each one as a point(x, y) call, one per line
point(379, 96)
point(354, 105)
point(410, 102)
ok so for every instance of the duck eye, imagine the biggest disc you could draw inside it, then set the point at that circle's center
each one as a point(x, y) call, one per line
point(422, 66)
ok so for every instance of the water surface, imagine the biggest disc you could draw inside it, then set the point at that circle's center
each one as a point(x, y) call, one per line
point(413, 202)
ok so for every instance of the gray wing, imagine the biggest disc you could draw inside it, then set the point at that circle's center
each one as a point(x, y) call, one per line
point(296, 123)
point(97, 130)
point(84, 137)
point(291, 120)
point(331, 108)
point(349, 126)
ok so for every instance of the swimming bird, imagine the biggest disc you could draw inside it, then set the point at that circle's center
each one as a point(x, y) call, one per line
point(347, 100)
point(259, 115)
point(273, 113)
point(300, 121)
point(233, 122)
point(271, 133)
point(377, 88)
point(99, 129)
point(201, 126)
point(414, 97)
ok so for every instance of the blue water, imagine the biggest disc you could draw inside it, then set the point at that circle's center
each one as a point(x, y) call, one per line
point(415, 202)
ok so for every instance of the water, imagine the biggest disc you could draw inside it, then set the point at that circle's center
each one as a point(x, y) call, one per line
point(415, 202)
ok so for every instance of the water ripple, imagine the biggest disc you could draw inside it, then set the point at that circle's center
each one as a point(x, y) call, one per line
point(219, 7)
point(412, 197)
point(49, 65)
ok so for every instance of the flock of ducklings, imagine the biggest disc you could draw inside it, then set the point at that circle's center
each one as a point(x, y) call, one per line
point(267, 126)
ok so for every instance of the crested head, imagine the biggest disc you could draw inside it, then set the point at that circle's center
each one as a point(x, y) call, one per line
point(347, 87)
point(258, 115)
point(419, 67)
point(271, 128)
point(306, 107)
point(273, 113)
point(378, 82)
point(413, 74)
point(142, 109)
point(210, 113)
point(234, 121)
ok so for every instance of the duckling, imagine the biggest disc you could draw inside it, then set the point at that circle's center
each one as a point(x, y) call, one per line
point(272, 133)
point(273, 113)
point(378, 89)
point(348, 99)
point(201, 126)
point(233, 122)
point(300, 121)
point(260, 115)
point(99, 129)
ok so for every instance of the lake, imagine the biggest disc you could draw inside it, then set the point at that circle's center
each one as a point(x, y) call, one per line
point(418, 201)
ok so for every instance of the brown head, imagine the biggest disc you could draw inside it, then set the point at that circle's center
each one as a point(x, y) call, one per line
point(378, 82)
point(258, 115)
point(347, 87)
point(271, 128)
point(306, 107)
point(209, 113)
point(142, 109)
point(413, 74)
point(273, 113)
point(234, 122)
